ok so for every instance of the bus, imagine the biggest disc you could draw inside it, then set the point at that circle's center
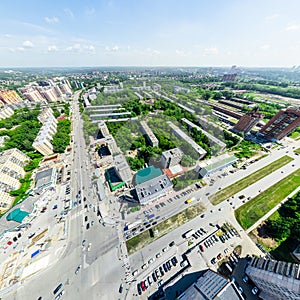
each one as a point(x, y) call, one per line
point(132, 225)
point(188, 234)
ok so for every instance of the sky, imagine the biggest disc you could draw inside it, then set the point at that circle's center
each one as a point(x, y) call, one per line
point(67, 33)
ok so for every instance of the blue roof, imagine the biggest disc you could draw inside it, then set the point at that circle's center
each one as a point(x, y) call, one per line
point(147, 174)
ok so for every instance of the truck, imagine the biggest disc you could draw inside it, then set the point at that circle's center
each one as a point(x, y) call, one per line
point(132, 225)
point(188, 234)
point(189, 200)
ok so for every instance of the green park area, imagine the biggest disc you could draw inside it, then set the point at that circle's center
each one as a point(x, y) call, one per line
point(248, 180)
point(255, 209)
point(297, 151)
point(142, 240)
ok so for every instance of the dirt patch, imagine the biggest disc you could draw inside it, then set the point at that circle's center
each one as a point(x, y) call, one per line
point(259, 235)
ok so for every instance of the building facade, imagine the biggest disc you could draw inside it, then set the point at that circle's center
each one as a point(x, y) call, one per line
point(283, 123)
point(277, 280)
point(9, 97)
point(248, 121)
point(171, 158)
point(122, 168)
point(146, 130)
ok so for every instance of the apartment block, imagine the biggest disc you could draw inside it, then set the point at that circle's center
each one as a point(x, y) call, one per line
point(171, 158)
point(182, 135)
point(248, 121)
point(32, 95)
point(48, 93)
point(213, 139)
point(6, 201)
point(9, 97)
point(122, 168)
point(146, 130)
point(5, 112)
point(103, 128)
point(277, 280)
point(12, 162)
point(283, 123)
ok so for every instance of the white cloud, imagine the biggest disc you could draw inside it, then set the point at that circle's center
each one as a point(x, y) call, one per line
point(112, 49)
point(265, 47)
point(68, 12)
point(292, 27)
point(271, 17)
point(8, 36)
point(18, 49)
point(52, 48)
point(28, 44)
point(211, 51)
point(90, 11)
point(52, 20)
point(180, 52)
point(153, 52)
point(78, 48)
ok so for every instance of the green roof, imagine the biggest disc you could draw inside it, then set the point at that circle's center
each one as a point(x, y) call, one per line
point(17, 215)
point(147, 174)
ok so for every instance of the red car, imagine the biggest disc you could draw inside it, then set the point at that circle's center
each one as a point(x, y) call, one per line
point(143, 286)
point(201, 248)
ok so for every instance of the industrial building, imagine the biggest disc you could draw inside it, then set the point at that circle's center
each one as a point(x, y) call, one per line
point(283, 123)
point(122, 168)
point(215, 164)
point(248, 121)
point(276, 280)
point(210, 285)
point(171, 158)
point(146, 130)
point(180, 134)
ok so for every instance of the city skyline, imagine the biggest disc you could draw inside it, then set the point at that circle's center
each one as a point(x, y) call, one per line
point(149, 33)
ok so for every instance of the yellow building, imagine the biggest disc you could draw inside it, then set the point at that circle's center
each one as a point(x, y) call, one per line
point(9, 96)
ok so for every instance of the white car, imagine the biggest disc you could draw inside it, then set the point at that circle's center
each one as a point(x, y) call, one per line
point(89, 247)
point(254, 290)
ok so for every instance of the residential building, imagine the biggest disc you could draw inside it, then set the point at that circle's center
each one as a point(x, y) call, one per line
point(5, 112)
point(182, 135)
point(283, 123)
point(171, 158)
point(153, 189)
point(12, 162)
point(48, 93)
point(103, 128)
point(122, 168)
point(215, 164)
point(211, 286)
point(248, 121)
point(276, 280)
point(6, 201)
point(9, 97)
point(110, 142)
point(213, 139)
point(178, 89)
point(43, 145)
point(45, 178)
point(32, 95)
point(146, 130)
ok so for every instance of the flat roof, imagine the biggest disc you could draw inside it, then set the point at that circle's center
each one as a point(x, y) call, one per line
point(147, 174)
point(17, 215)
point(44, 177)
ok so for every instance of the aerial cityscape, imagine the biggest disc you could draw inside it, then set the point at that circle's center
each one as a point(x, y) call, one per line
point(150, 150)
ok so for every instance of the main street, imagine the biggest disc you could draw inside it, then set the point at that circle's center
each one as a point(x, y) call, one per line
point(101, 269)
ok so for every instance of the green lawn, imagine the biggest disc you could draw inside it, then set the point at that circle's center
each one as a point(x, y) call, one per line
point(140, 241)
point(250, 179)
point(253, 210)
point(297, 150)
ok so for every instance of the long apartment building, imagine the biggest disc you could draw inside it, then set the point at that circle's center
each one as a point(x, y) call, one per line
point(5, 112)
point(146, 130)
point(42, 142)
point(12, 163)
point(9, 97)
point(182, 135)
point(212, 138)
point(277, 280)
point(122, 168)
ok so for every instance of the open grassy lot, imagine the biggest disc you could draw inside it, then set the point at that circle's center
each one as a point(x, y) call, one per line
point(297, 150)
point(140, 241)
point(248, 180)
point(253, 210)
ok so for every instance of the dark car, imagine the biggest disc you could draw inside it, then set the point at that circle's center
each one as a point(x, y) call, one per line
point(154, 277)
point(161, 271)
point(139, 289)
point(165, 267)
point(169, 266)
point(172, 244)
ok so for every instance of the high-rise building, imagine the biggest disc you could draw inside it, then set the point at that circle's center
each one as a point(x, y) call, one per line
point(248, 121)
point(171, 158)
point(283, 123)
point(277, 280)
point(122, 168)
point(9, 97)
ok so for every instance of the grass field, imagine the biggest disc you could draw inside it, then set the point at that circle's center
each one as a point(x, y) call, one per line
point(297, 150)
point(140, 241)
point(250, 179)
point(253, 210)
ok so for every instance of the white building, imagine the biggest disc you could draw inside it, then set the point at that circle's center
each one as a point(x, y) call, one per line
point(122, 168)
point(146, 130)
point(171, 158)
